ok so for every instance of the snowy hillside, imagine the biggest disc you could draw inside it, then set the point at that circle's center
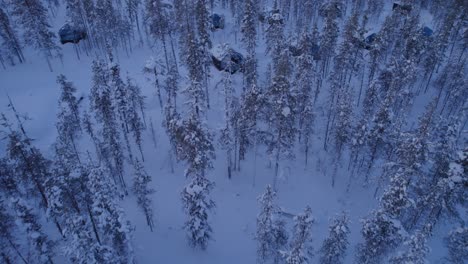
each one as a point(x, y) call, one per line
point(233, 131)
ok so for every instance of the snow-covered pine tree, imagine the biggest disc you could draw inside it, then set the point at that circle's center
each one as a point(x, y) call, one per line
point(274, 36)
point(457, 245)
point(415, 249)
point(115, 231)
point(226, 138)
point(133, 10)
point(9, 248)
point(111, 26)
point(28, 162)
point(329, 37)
point(271, 234)
point(33, 17)
point(451, 82)
point(69, 121)
point(304, 80)
point(383, 230)
point(333, 250)
point(281, 104)
point(249, 35)
point(194, 145)
point(39, 241)
point(143, 192)
point(198, 205)
point(203, 24)
point(136, 113)
point(301, 250)
point(82, 247)
point(251, 103)
point(248, 27)
point(198, 97)
point(381, 234)
point(103, 106)
point(10, 46)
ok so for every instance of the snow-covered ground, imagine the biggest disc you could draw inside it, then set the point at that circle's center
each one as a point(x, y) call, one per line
point(33, 90)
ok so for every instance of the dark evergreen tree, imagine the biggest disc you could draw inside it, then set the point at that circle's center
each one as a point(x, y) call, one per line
point(457, 245)
point(334, 247)
point(141, 180)
point(415, 249)
point(43, 247)
point(301, 249)
point(281, 104)
point(9, 252)
point(10, 47)
point(115, 230)
point(32, 16)
point(271, 235)
point(197, 205)
point(104, 108)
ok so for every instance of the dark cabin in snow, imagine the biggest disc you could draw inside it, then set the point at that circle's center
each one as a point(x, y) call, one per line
point(217, 21)
point(369, 40)
point(227, 59)
point(427, 31)
point(71, 34)
point(405, 9)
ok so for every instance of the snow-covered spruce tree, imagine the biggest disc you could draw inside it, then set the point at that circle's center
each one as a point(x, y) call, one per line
point(203, 23)
point(28, 162)
point(136, 113)
point(457, 245)
point(68, 119)
point(82, 248)
point(194, 145)
point(115, 231)
point(381, 234)
point(43, 247)
point(451, 82)
point(156, 19)
point(333, 250)
point(304, 80)
point(103, 106)
point(128, 102)
point(198, 205)
point(112, 28)
point(251, 103)
point(249, 35)
point(342, 125)
point(271, 234)
point(226, 138)
point(248, 27)
point(274, 36)
point(415, 249)
point(143, 192)
point(10, 46)
point(198, 97)
point(133, 10)
point(329, 37)
point(346, 64)
point(281, 104)
point(161, 22)
point(383, 230)
point(33, 17)
point(301, 250)
point(9, 248)
point(448, 192)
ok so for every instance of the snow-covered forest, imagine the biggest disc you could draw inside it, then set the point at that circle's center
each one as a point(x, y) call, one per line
point(233, 131)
